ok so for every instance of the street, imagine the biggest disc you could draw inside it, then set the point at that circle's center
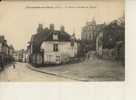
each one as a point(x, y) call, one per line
point(92, 69)
point(22, 73)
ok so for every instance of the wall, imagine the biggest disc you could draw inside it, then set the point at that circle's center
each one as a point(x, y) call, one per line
point(65, 51)
point(99, 44)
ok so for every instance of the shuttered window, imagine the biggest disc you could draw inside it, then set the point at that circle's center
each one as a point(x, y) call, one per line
point(55, 47)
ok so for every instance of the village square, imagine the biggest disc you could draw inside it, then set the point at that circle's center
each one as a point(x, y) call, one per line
point(56, 55)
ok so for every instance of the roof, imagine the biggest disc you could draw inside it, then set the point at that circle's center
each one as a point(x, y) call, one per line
point(39, 38)
point(2, 39)
point(62, 36)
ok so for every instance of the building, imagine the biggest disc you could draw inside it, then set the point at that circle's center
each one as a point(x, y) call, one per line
point(28, 53)
point(3, 45)
point(88, 31)
point(58, 48)
point(89, 35)
point(11, 50)
point(19, 55)
point(99, 44)
point(15, 56)
point(6, 51)
point(50, 46)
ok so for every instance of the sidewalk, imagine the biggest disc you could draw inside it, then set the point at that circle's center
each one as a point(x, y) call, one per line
point(5, 66)
point(89, 70)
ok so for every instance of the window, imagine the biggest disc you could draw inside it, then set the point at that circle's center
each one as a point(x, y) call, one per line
point(57, 58)
point(55, 37)
point(55, 47)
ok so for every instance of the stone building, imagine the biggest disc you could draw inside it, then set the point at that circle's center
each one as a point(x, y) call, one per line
point(89, 35)
point(50, 46)
point(6, 52)
point(11, 50)
point(19, 55)
point(99, 44)
point(58, 48)
point(88, 31)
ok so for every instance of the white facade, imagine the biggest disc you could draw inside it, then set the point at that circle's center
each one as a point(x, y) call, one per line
point(99, 44)
point(58, 52)
point(15, 55)
point(88, 31)
point(0, 47)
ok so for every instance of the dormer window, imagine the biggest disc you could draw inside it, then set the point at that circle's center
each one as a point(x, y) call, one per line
point(55, 37)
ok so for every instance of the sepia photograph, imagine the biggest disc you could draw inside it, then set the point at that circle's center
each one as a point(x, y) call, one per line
point(81, 41)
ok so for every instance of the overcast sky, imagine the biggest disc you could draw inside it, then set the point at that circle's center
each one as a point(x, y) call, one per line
point(18, 23)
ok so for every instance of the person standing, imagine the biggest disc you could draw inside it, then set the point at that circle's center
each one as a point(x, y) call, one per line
point(14, 66)
point(2, 66)
point(1, 63)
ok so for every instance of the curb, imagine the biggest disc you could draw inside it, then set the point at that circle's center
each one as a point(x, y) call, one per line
point(5, 66)
point(35, 69)
point(55, 74)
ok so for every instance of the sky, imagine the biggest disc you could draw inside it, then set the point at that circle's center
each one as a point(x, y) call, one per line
point(19, 20)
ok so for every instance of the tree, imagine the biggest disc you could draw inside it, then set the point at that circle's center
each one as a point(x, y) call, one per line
point(113, 33)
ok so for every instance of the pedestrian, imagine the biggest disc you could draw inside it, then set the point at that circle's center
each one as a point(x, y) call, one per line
point(14, 65)
point(1, 63)
point(88, 55)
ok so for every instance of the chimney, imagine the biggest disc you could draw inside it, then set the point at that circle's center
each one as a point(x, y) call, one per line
point(52, 27)
point(62, 29)
point(2, 38)
point(40, 28)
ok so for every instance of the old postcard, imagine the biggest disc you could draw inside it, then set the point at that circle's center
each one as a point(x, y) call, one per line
point(65, 41)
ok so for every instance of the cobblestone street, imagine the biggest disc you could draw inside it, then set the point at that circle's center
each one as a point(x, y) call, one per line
point(22, 73)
